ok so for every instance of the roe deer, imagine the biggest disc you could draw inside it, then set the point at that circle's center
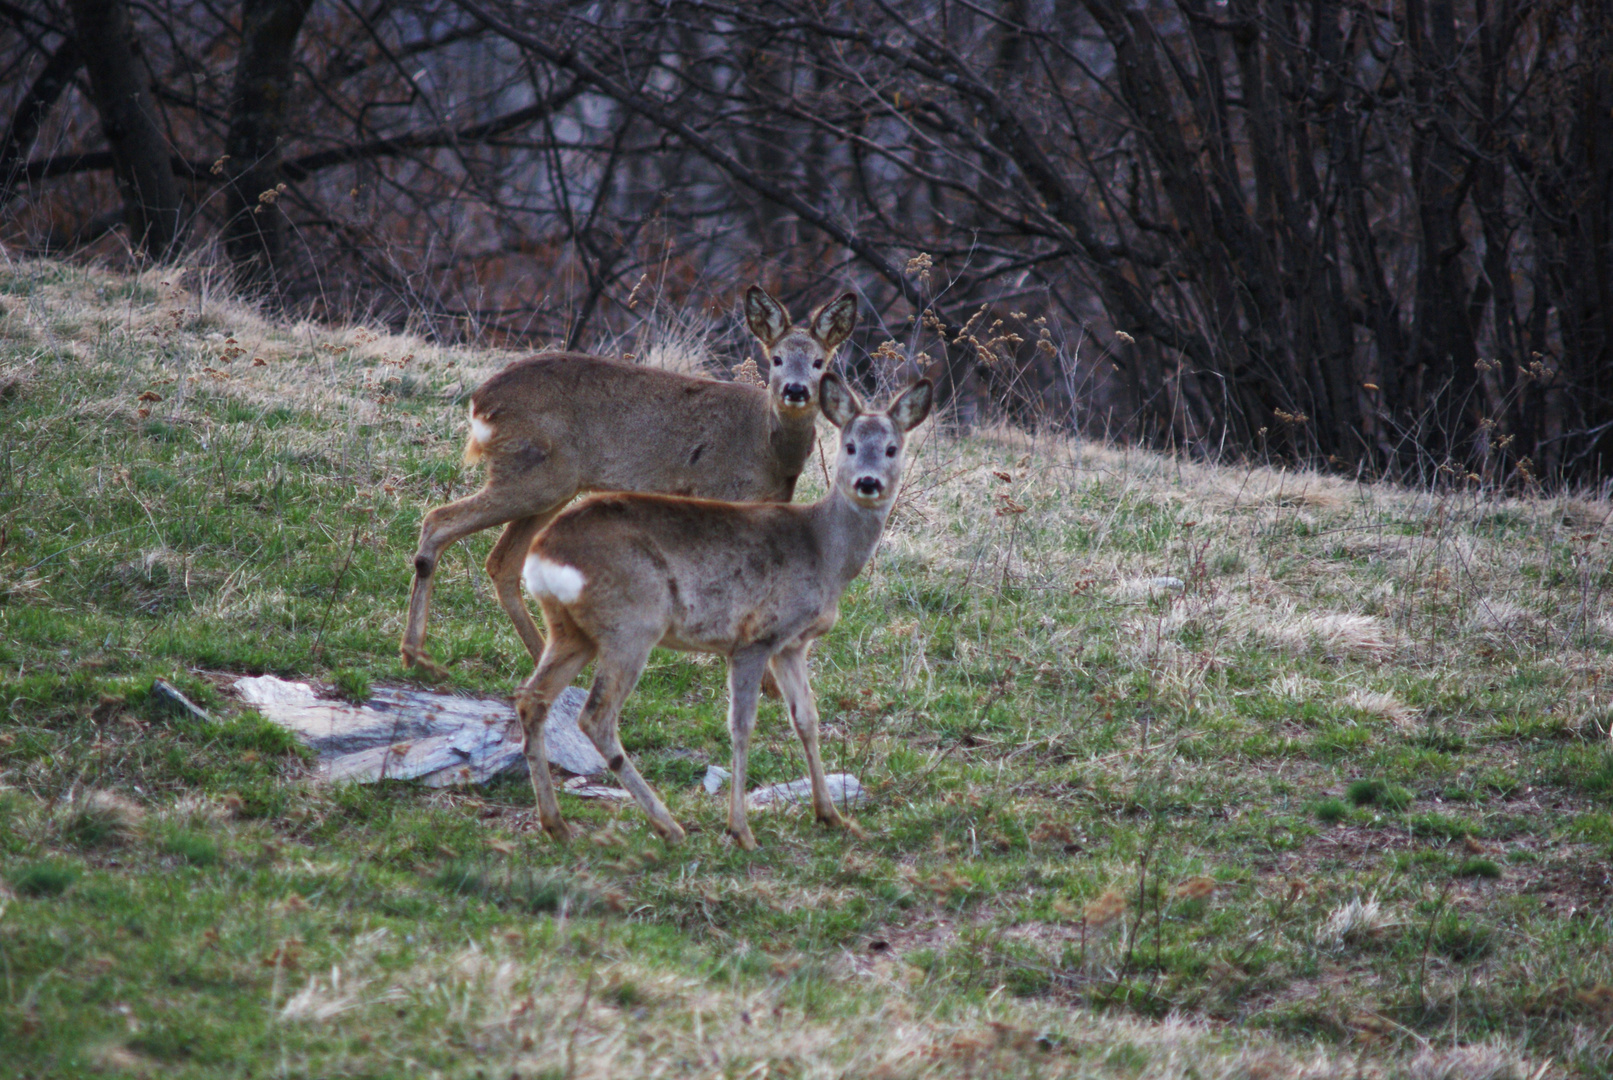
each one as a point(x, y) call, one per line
point(617, 575)
point(562, 423)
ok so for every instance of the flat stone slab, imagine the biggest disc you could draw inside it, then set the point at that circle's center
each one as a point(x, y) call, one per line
point(403, 734)
point(844, 789)
point(443, 740)
point(582, 789)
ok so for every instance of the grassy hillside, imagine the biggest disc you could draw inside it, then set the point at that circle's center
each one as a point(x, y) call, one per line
point(1176, 771)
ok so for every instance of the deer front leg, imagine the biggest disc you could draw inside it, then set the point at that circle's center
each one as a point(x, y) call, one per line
point(744, 687)
point(790, 670)
point(615, 674)
point(563, 657)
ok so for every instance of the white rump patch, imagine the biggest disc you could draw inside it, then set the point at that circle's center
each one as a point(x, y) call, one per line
point(544, 578)
point(480, 430)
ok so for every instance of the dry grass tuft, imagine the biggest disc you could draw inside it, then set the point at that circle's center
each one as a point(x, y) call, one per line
point(1494, 616)
point(615, 1017)
point(682, 357)
point(203, 810)
point(14, 379)
point(120, 1059)
point(1385, 706)
point(1336, 633)
point(1480, 1061)
point(345, 987)
point(115, 810)
point(1584, 515)
point(1292, 686)
point(103, 818)
point(1353, 921)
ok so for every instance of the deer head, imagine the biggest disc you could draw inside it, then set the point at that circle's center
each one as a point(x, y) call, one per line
point(798, 356)
point(872, 444)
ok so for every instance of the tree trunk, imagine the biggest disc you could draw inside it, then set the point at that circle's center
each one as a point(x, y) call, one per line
point(1443, 349)
point(140, 151)
point(255, 226)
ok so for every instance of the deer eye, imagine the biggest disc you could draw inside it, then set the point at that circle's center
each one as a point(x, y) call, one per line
point(816, 364)
point(890, 451)
point(851, 448)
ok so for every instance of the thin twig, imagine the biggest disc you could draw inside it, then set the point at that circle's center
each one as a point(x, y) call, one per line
point(576, 1025)
point(314, 650)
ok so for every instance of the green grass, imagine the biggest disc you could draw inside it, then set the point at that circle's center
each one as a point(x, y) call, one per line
point(43, 879)
point(1378, 793)
point(1096, 802)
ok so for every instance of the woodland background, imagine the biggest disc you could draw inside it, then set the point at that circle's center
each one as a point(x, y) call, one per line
point(1372, 236)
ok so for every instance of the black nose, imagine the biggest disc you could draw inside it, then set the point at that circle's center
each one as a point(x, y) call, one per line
point(868, 486)
point(796, 394)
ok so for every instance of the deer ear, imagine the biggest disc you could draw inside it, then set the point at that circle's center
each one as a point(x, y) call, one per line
point(908, 411)
point(839, 404)
point(833, 322)
point(767, 320)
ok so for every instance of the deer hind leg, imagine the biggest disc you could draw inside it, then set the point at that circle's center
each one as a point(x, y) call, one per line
point(504, 565)
point(506, 497)
point(745, 670)
point(616, 672)
point(790, 671)
point(442, 527)
point(565, 655)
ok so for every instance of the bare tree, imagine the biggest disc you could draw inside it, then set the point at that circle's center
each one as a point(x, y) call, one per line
point(43, 92)
point(254, 223)
point(1375, 238)
point(123, 97)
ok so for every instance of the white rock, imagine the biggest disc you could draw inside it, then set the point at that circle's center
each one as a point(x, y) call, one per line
point(844, 789)
point(580, 787)
point(411, 734)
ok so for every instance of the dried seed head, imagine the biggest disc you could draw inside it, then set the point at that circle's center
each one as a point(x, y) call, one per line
point(1196, 888)
point(1105, 909)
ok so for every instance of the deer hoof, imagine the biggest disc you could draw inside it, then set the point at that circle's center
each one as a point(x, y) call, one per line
point(744, 838)
point(561, 829)
point(415, 658)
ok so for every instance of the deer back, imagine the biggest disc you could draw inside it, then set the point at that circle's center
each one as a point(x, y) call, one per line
point(614, 426)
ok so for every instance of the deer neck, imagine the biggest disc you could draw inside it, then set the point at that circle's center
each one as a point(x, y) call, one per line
point(847, 533)
point(790, 437)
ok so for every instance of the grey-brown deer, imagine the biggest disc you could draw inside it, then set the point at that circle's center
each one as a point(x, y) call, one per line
point(558, 424)
point(619, 574)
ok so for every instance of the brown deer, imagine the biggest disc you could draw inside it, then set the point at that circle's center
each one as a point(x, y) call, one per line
point(562, 423)
point(619, 574)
